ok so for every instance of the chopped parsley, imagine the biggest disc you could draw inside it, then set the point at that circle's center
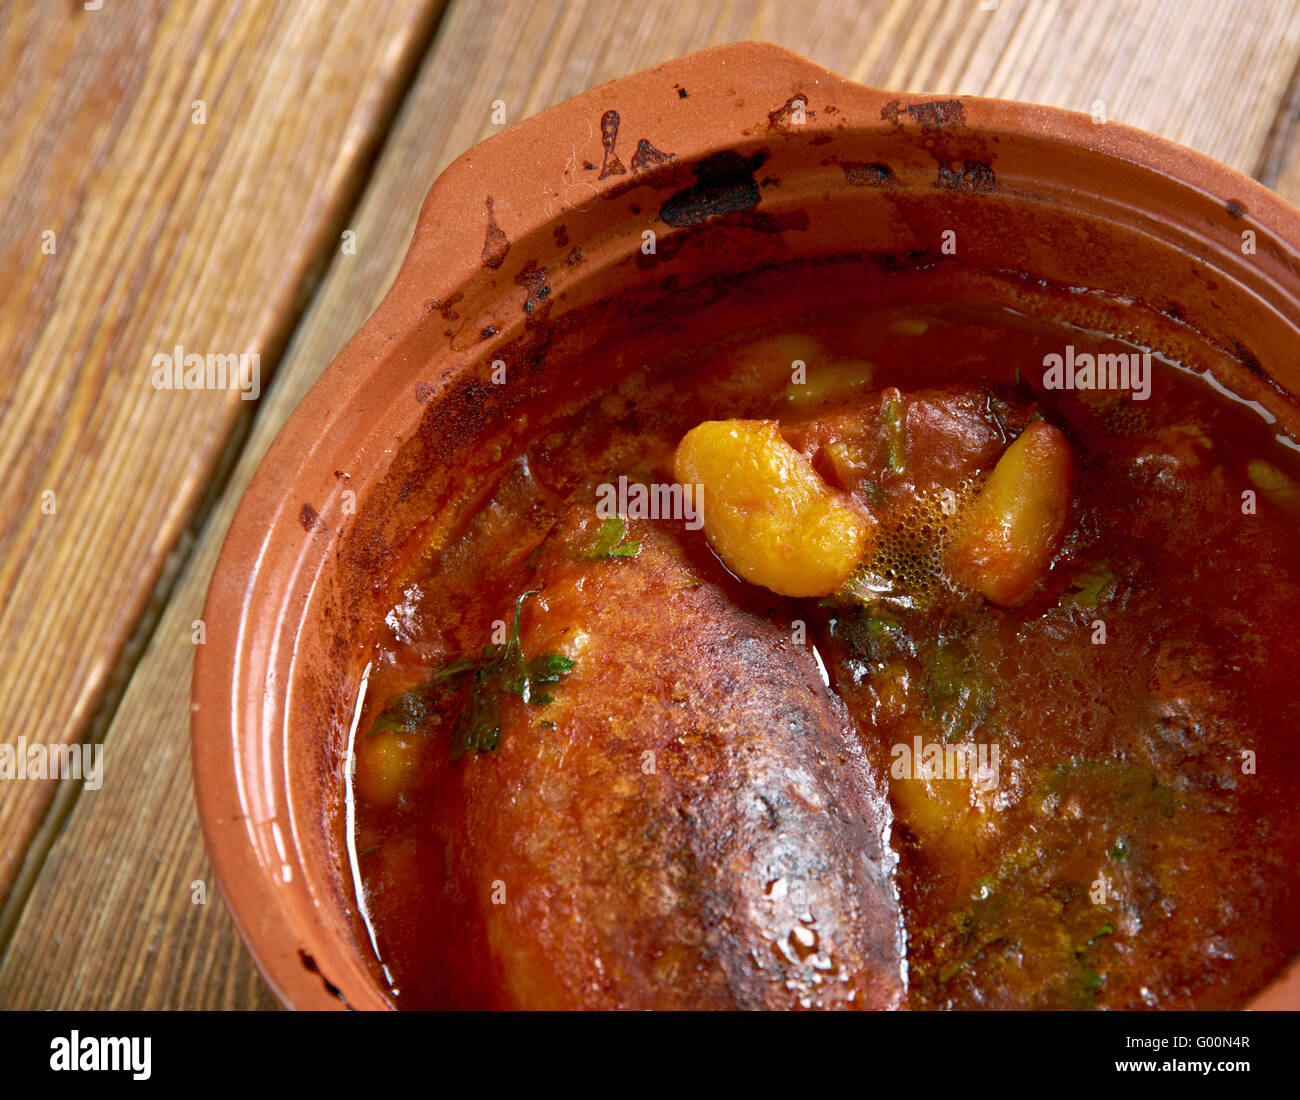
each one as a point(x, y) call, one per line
point(1086, 589)
point(959, 697)
point(609, 541)
point(891, 418)
point(472, 690)
point(418, 707)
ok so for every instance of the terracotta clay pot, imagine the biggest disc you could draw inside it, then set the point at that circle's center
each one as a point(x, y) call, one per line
point(740, 159)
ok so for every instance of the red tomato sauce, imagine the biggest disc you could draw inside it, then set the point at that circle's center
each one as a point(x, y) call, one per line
point(1138, 844)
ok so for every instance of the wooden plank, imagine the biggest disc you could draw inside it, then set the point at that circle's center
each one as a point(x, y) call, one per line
point(1278, 165)
point(173, 224)
point(111, 921)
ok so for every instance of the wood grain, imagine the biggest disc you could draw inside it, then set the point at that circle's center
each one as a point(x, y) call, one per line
point(111, 921)
point(167, 231)
point(1278, 165)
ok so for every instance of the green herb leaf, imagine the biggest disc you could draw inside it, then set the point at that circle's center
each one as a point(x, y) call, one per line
point(891, 419)
point(549, 667)
point(473, 689)
point(879, 623)
point(1086, 589)
point(417, 708)
point(503, 668)
point(957, 692)
point(1106, 929)
point(873, 492)
point(608, 539)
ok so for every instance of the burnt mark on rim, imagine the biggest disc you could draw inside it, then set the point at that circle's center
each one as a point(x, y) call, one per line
point(863, 174)
point(495, 243)
point(964, 162)
point(724, 184)
point(933, 114)
point(1235, 208)
point(780, 118)
point(533, 279)
point(651, 167)
point(446, 309)
point(612, 166)
point(310, 519)
point(647, 157)
point(309, 964)
point(970, 176)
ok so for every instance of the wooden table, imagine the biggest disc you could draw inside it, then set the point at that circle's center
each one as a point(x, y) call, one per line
point(243, 176)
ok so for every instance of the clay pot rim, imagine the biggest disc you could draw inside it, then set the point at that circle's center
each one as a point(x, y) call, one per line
point(445, 253)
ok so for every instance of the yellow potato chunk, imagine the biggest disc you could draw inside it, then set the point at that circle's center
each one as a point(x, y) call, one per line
point(945, 801)
point(767, 513)
point(1009, 535)
point(946, 815)
point(387, 764)
point(820, 382)
point(1268, 477)
point(770, 364)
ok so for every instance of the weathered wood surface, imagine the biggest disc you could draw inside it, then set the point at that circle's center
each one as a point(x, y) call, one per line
point(171, 176)
point(111, 920)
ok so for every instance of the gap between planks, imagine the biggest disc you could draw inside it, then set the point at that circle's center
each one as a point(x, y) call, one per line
point(127, 660)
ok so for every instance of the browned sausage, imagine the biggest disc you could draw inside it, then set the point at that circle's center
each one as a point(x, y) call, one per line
point(699, 828)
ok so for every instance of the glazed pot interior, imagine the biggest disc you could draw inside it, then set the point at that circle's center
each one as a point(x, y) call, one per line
point(950, 190)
